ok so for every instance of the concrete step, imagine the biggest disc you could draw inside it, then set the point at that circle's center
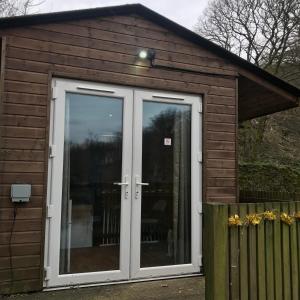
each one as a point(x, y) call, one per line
point(190, 288)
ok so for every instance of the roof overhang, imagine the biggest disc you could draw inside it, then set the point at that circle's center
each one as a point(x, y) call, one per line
point(259, 97)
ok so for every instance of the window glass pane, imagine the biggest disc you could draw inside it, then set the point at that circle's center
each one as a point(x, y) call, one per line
point(166, 202)
point(91, 203)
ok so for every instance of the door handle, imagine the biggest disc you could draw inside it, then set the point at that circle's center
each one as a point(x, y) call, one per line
point(138, 185)
point(125, 184)
point(121, 183)
point(142, 183)
point(137, 181)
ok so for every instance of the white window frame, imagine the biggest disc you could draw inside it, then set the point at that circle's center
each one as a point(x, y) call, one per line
point(55, 170)
point(141, 95)
point(131, 167)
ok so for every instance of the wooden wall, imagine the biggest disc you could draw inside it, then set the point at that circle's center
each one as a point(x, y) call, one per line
point(101, 50)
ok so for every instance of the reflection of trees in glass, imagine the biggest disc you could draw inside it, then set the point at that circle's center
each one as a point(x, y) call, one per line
point(158, 158)
point(94, 165)
point(166, 201)
point(95, 160)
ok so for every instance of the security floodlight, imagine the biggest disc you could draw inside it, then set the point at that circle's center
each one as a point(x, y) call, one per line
point(147, 54)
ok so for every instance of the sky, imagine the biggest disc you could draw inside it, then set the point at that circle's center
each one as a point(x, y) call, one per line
point(184, 12)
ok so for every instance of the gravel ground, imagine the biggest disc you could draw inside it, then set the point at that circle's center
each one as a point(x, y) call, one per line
point(191, 288)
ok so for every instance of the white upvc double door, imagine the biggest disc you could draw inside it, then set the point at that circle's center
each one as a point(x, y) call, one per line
point(124, 184)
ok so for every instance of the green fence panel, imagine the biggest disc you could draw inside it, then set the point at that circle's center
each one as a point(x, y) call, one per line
point(286, 255)
point(261, 257)
point(252, 256)
point(294, 255)
point(251, 261)
point(216, 251)
point(277, 255)
point(269, 255)
point(244, 271)
point(234, 257)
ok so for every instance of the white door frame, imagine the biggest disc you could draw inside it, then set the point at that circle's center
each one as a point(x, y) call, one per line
point(55, 172)
point(196, 184)
point(130, 221)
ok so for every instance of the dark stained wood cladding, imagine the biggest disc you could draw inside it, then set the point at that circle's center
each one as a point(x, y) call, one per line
point(101, 50)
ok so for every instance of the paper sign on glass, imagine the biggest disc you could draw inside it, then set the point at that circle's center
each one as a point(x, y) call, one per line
point(167, 141)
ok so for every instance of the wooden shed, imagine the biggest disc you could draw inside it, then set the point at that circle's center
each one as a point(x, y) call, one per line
point(116, 125)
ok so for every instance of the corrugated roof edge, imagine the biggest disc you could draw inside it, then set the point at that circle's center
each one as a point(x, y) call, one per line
point(156, 18)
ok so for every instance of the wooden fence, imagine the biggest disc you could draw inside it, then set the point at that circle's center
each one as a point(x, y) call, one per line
point(252, 261)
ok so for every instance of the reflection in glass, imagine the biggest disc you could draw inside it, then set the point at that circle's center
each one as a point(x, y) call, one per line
point(166, 202)
point(90, 221)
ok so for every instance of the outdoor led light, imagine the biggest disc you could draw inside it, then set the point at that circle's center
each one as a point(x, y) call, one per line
point(148, 54)
point(143, 54)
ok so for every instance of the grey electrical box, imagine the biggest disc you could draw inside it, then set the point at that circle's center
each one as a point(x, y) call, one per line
point(20, 192)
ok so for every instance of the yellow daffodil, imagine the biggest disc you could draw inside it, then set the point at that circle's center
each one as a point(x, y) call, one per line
point(287, 219)
point(253, 219)
point(234, 220)
point(270, 215)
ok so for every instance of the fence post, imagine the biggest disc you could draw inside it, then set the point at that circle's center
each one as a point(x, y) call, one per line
point(216, 251)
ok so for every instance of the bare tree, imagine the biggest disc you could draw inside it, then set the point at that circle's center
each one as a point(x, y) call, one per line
point(261, 31)
point(9, 8)
point(266, 33)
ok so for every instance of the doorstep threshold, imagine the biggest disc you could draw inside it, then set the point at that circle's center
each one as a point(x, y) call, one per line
point(77, 286)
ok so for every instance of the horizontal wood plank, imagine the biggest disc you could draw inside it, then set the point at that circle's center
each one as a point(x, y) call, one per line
point(23, 155)
point(220, 100)
point(23, 144)
point(25, 87)
point(20, 225)
point(23, 121)
point(220, 136)
point(20, 237)
point(221, 127)
point(21, 286)
point(220, 118)
point(221, 182)
point(24, 110)
point(20, 249)
point(21, 213)
point(221, 191)
point(25, 132)
point(221, 109)
point(20, 274)
point(220, 154)
point(26, 76)
point(23, 98)
point(220, 173)
point(220, 145)
point(22, 166)
point(221, 163)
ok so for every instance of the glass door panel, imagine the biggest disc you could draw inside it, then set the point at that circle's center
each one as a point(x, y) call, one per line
point(166, 201)
point(166, 169)
point(89, 184)
point(91, 202)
